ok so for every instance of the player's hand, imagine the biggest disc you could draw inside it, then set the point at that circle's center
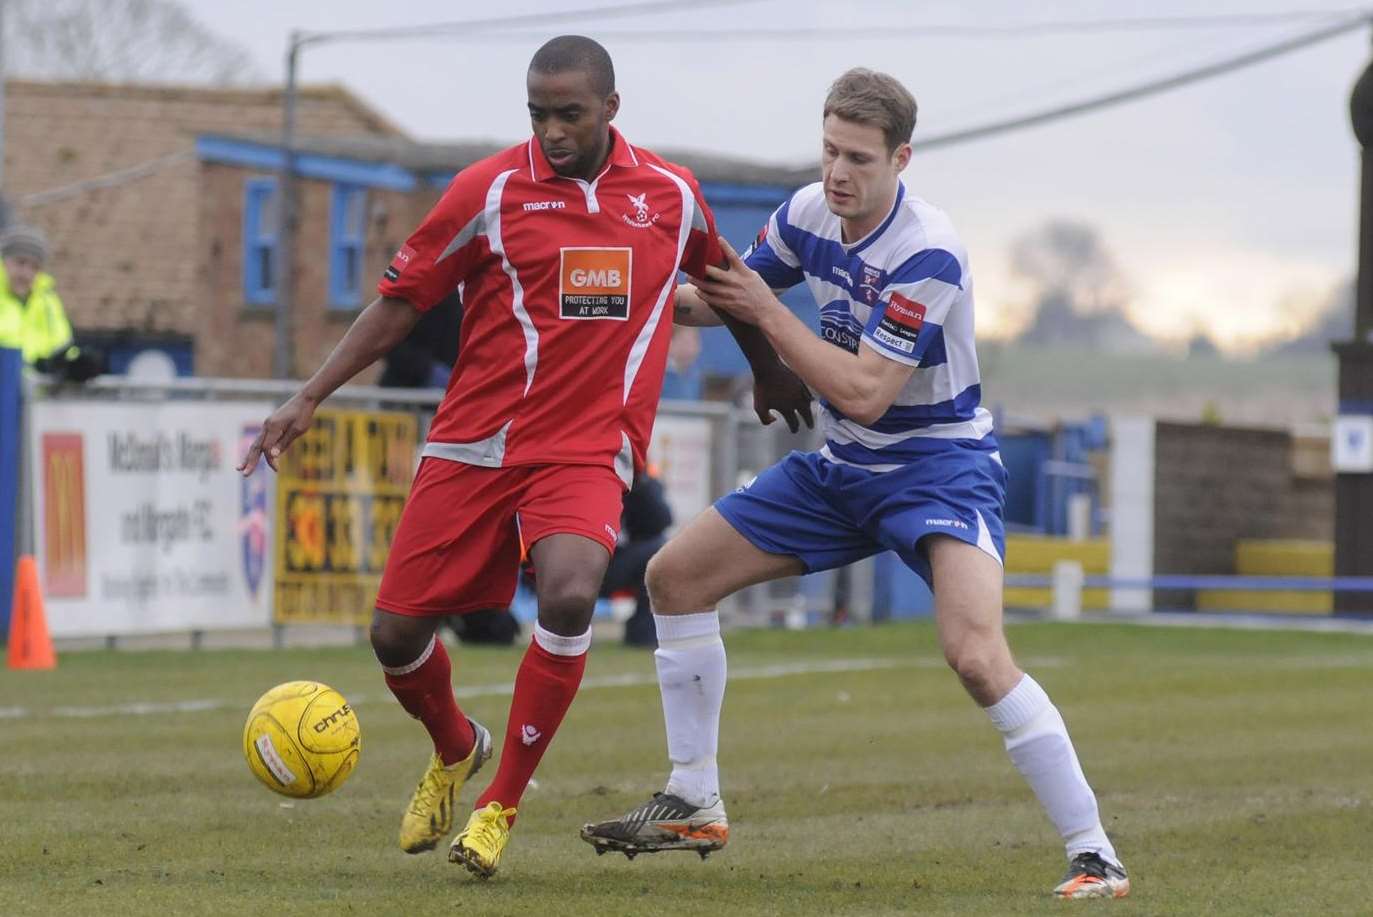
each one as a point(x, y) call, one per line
point(736, 288)
point(285, 425)
point(781, 391)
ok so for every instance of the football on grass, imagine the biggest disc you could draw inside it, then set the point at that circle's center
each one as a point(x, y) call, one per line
point(302, 739)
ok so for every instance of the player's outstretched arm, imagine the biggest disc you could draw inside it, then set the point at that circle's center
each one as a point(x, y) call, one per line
point(861, 385)
point(776, 389)
point(379, 327)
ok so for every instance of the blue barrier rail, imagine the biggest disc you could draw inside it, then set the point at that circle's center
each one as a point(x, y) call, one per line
point(1177, 581)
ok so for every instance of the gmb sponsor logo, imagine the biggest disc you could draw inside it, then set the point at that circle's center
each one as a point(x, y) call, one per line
point(594, 283)
point(947, 523)
point(581, 277)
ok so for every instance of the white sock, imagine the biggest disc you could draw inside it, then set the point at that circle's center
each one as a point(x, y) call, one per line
point(691, 676)
point(1037, 741)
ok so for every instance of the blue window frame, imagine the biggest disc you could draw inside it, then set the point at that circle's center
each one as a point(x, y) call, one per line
point(347, 230)
point(259, 240)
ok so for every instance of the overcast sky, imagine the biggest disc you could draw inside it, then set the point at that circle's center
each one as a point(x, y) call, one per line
point(1229, 204)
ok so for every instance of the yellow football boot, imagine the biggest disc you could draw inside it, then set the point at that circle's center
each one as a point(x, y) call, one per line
point(429, 817)
point(479, 846)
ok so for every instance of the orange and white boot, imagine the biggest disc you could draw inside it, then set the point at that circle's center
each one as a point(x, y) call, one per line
point(665, 822)
point(1092, 876)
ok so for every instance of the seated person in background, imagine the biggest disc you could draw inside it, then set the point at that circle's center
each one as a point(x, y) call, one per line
point(643, 530)
point(32, 319)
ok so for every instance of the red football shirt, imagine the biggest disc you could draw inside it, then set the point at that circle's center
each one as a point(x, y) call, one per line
point(567, 291)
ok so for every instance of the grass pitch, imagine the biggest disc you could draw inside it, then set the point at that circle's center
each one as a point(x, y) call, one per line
point(1234, 769)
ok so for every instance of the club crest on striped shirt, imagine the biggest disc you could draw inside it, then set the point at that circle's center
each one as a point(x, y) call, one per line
point(871, 287)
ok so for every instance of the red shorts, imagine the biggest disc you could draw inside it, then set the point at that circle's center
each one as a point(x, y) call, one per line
point(461, 535)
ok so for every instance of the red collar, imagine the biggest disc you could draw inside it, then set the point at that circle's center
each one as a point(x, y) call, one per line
point(621, 154)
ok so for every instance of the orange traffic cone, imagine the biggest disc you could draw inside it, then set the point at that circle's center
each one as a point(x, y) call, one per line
point(30, 643)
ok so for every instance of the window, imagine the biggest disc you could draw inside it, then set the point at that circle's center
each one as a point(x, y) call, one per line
point(347, 229)
point(260, 223)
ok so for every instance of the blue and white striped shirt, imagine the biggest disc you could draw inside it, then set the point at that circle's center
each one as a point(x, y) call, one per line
point(904, 290)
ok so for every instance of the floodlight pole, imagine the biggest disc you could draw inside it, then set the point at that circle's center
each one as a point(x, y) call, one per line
point(1354, 490)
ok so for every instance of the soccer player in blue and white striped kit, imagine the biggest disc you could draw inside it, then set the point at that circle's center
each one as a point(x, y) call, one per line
point(910, 465)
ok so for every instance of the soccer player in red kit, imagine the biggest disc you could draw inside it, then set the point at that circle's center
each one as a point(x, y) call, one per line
point(567, 249)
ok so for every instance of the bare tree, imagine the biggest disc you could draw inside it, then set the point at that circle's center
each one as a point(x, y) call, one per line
point(1068, 260)
point(120, 41)
point(1080, 291)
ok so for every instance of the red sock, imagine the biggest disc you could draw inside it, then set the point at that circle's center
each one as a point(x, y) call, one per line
point(547, 681)
point(425, 689)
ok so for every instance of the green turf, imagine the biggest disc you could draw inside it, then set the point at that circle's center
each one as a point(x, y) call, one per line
point(1235, 770)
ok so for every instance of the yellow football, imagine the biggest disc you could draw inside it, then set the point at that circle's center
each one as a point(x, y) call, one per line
point(302, 739)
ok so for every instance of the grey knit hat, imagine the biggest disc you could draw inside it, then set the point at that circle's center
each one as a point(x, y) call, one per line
point(24, 240)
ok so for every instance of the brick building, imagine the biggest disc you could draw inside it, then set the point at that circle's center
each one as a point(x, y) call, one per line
point(111, 173)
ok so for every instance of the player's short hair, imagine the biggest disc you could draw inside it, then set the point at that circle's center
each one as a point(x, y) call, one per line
point(869, 97)
point(577, 52)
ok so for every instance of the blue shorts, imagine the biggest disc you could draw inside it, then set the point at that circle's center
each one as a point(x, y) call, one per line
point(828, 515)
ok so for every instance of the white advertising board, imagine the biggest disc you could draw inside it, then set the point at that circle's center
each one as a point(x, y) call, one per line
point(680, 454)
point(142, 523)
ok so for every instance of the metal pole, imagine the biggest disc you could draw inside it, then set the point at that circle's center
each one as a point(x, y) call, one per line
point(2, 97)
point(1361, 117)
point(1354, 490)
point(283, 353)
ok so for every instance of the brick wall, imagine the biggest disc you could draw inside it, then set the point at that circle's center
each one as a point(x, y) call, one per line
point(1215, 485)
point(236, 340)
point(129, 256)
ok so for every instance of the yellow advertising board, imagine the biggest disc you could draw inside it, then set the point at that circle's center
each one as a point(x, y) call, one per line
point(340, 492)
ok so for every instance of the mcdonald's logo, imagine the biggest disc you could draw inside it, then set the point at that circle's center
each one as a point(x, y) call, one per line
point(64, 515)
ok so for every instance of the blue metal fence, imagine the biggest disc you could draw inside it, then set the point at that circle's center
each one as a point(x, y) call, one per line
point(10, 367)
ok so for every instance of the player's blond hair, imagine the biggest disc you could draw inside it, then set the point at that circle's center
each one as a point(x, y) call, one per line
point(868, 97)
